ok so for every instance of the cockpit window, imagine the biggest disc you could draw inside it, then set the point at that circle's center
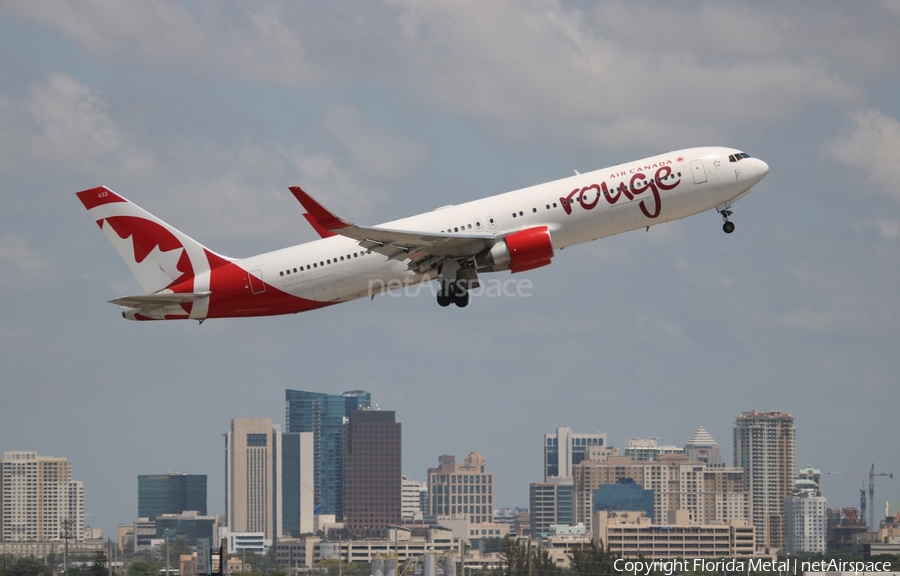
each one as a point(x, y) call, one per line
point(744, 155)
point(738, 157)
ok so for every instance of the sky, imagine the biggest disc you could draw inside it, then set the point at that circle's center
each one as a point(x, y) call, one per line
point(203, 113)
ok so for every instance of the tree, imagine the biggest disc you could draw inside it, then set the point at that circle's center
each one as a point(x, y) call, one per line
point(28, 567)
point(142, 569)
point(520, 559)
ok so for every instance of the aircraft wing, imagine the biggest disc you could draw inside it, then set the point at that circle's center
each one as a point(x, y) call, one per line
point(421, 248)
point(167, 299)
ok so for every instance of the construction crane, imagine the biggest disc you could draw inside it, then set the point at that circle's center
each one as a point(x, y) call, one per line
point(871, 474)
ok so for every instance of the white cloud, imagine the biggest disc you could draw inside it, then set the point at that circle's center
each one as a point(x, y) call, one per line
point(376, 152)
point(872, 145)
point(22, 266)
point(254, 41)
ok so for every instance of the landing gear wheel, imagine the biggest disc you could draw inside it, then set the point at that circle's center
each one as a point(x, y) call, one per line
point(728, 227)
point(461, 298)
point(443, 300)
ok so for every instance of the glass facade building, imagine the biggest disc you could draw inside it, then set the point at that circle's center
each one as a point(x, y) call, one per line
point(324, 415)
point(171, 494)
point(563, 450)
point(627, 495)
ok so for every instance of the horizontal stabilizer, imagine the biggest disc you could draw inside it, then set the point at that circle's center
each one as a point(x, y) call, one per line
point(169, 299)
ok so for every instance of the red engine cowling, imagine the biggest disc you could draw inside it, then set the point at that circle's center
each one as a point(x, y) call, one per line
point(523, 250)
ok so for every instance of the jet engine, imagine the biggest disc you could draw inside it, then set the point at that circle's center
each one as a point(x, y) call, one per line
point(523, 250)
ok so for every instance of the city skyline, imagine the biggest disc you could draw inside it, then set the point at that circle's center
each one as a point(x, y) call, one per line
point(205, 114)
point(273, 519)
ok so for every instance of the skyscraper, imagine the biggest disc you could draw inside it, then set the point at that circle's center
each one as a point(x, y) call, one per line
point(252, 488)
point(373, 479)
point(324, 415)
point(703, 448)
point(37, 494)
point(563, 450)
point(297, 484)
point(804, 514)
point(765, 447)
point(171, 494)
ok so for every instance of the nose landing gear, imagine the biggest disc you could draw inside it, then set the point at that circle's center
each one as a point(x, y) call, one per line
point(724, 210)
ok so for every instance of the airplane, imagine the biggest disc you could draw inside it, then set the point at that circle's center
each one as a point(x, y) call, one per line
point(516, 231)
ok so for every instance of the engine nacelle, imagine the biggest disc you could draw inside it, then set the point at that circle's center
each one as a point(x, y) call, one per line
point(520, 251)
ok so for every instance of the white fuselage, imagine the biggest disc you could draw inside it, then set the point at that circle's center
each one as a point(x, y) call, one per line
point(694, 180)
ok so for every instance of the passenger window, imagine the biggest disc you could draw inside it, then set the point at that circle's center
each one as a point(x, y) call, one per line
point(492, 220)
point(470, 226)
point(282, 272)
point(514, 214)
point(520, 213)
point(314, 265)
point(342, 258)
point(554, 204)
point(321, 263)
point(548, 206)
point(295, 270)
point(456, 229)
point(534, 210)
point(354, 254)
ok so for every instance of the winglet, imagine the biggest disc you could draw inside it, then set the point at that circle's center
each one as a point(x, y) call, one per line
point(323, 233)
point(325, 219)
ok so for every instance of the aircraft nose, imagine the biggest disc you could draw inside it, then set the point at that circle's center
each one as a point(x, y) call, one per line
point(761, 169)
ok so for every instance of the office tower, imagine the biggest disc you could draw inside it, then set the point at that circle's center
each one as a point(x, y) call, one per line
point(373, 479)
point(38, 494)
point(550, 503)
point(253, 496)
point(563, 449)
point(171, 494)
point(415, 498)
point(702, 448)
point(324, 415)
point(461, 489)
point(805, 514)
point(765, 447)
point(297, 483)
point(647, 450)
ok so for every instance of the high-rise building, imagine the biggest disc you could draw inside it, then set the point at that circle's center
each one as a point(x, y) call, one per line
point(805, 520)
point(415, 498)
point(551, 503)
point(38, 495)
point(455, 489)
point(765, 447)
point(563, 449)
point(297, 483)
point(160, 494)
point(709, 495)
point(648, 449)
point(324, 415)
point(253, 497)
point(373, 478)
point(702, 448)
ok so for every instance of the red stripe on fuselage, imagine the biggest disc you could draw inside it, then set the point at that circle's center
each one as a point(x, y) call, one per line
point(233, 297)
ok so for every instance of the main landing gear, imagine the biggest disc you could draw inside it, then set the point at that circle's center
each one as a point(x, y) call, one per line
point(452, 292)
point(724, 210)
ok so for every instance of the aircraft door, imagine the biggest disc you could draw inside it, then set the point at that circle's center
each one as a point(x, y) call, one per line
point(257, 286)
point(698, 171)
